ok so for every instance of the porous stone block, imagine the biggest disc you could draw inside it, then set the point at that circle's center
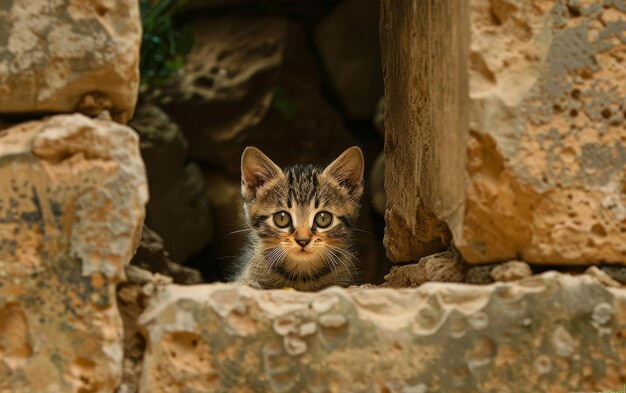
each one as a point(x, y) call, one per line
point(547, 333)
point(530, 162)
point(546, 158)
point(72, 197)
point(69, 55)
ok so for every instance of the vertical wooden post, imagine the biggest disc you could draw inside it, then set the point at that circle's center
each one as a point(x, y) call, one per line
point(424, 52)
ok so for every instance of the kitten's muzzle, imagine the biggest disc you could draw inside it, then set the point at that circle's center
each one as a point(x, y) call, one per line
point(303, 241)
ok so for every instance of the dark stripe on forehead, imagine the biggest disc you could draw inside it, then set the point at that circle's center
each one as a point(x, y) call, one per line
point(314, 193)
point(303, 184)
point(290, 181)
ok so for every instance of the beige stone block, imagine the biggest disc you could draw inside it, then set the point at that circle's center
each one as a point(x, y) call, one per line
point(72, 196)
point(69, 55)
point(547, 333)
point(530, 161)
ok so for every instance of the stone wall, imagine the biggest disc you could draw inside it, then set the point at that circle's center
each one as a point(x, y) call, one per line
point(531, 162)
point(72, 191)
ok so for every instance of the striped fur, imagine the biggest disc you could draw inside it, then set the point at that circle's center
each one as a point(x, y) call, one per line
point(275, 259)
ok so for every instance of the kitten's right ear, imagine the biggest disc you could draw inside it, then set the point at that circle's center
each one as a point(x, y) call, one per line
point(256, 169)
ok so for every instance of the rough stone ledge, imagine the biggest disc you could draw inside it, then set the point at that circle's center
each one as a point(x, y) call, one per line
point(546, 333)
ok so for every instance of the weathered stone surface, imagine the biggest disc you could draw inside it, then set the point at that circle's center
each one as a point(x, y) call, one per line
point(424, 129)
point(479, 274)
point(534, 165)
point(72, 197)
point(178, 209)
point(69, 55)
point(547, 333)
point(547, 156)
point(348, 43)
point(602, 276)
point(442, 267)
point(511, 271)
point(253, 82)
point(618, 273)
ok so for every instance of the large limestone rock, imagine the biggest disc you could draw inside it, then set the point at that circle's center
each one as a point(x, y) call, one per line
point(252, 81)
point(72, 196)
point(521, 149)
point(69, 55)
point(548, 333)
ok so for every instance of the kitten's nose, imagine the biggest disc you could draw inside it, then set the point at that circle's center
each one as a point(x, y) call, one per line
point(303, 241)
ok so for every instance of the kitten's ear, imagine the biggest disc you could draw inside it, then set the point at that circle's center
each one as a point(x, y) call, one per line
point(256, 169)
point(347, 169)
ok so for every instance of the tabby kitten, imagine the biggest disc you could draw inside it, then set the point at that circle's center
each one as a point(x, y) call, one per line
point(300, 221)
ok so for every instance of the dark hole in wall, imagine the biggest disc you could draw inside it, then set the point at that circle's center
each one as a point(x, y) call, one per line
point(211, 260)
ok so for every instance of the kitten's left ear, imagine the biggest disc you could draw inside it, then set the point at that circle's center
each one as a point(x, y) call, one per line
point(347, 169)
point(256, 170)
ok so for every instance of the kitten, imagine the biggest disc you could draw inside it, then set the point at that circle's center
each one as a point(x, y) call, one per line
point(301, 221)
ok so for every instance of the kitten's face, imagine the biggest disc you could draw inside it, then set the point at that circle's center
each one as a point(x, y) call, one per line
point(302, 216)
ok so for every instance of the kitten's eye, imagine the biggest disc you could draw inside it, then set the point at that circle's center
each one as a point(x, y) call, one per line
point(323, 219)
point(282, 219)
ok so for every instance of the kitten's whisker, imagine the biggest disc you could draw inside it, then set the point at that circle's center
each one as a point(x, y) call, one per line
point(344, 252)
point(238, 231)
point(361, 230)
point(332, 265)
point(269, 256)
point(342, 262)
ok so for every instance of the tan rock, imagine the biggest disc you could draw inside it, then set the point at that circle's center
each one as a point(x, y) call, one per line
point(72, 197)
point(436, 338)
point(479, 274)
point(253, 81)
point(69, 55)
point(529, 162)
point(348, 43)
point(442, 267)
point(511, 271)
point(618, 273)
point(602, 276)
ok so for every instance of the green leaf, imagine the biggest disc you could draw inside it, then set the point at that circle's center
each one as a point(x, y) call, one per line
point(166, 42)
point(283, 104)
